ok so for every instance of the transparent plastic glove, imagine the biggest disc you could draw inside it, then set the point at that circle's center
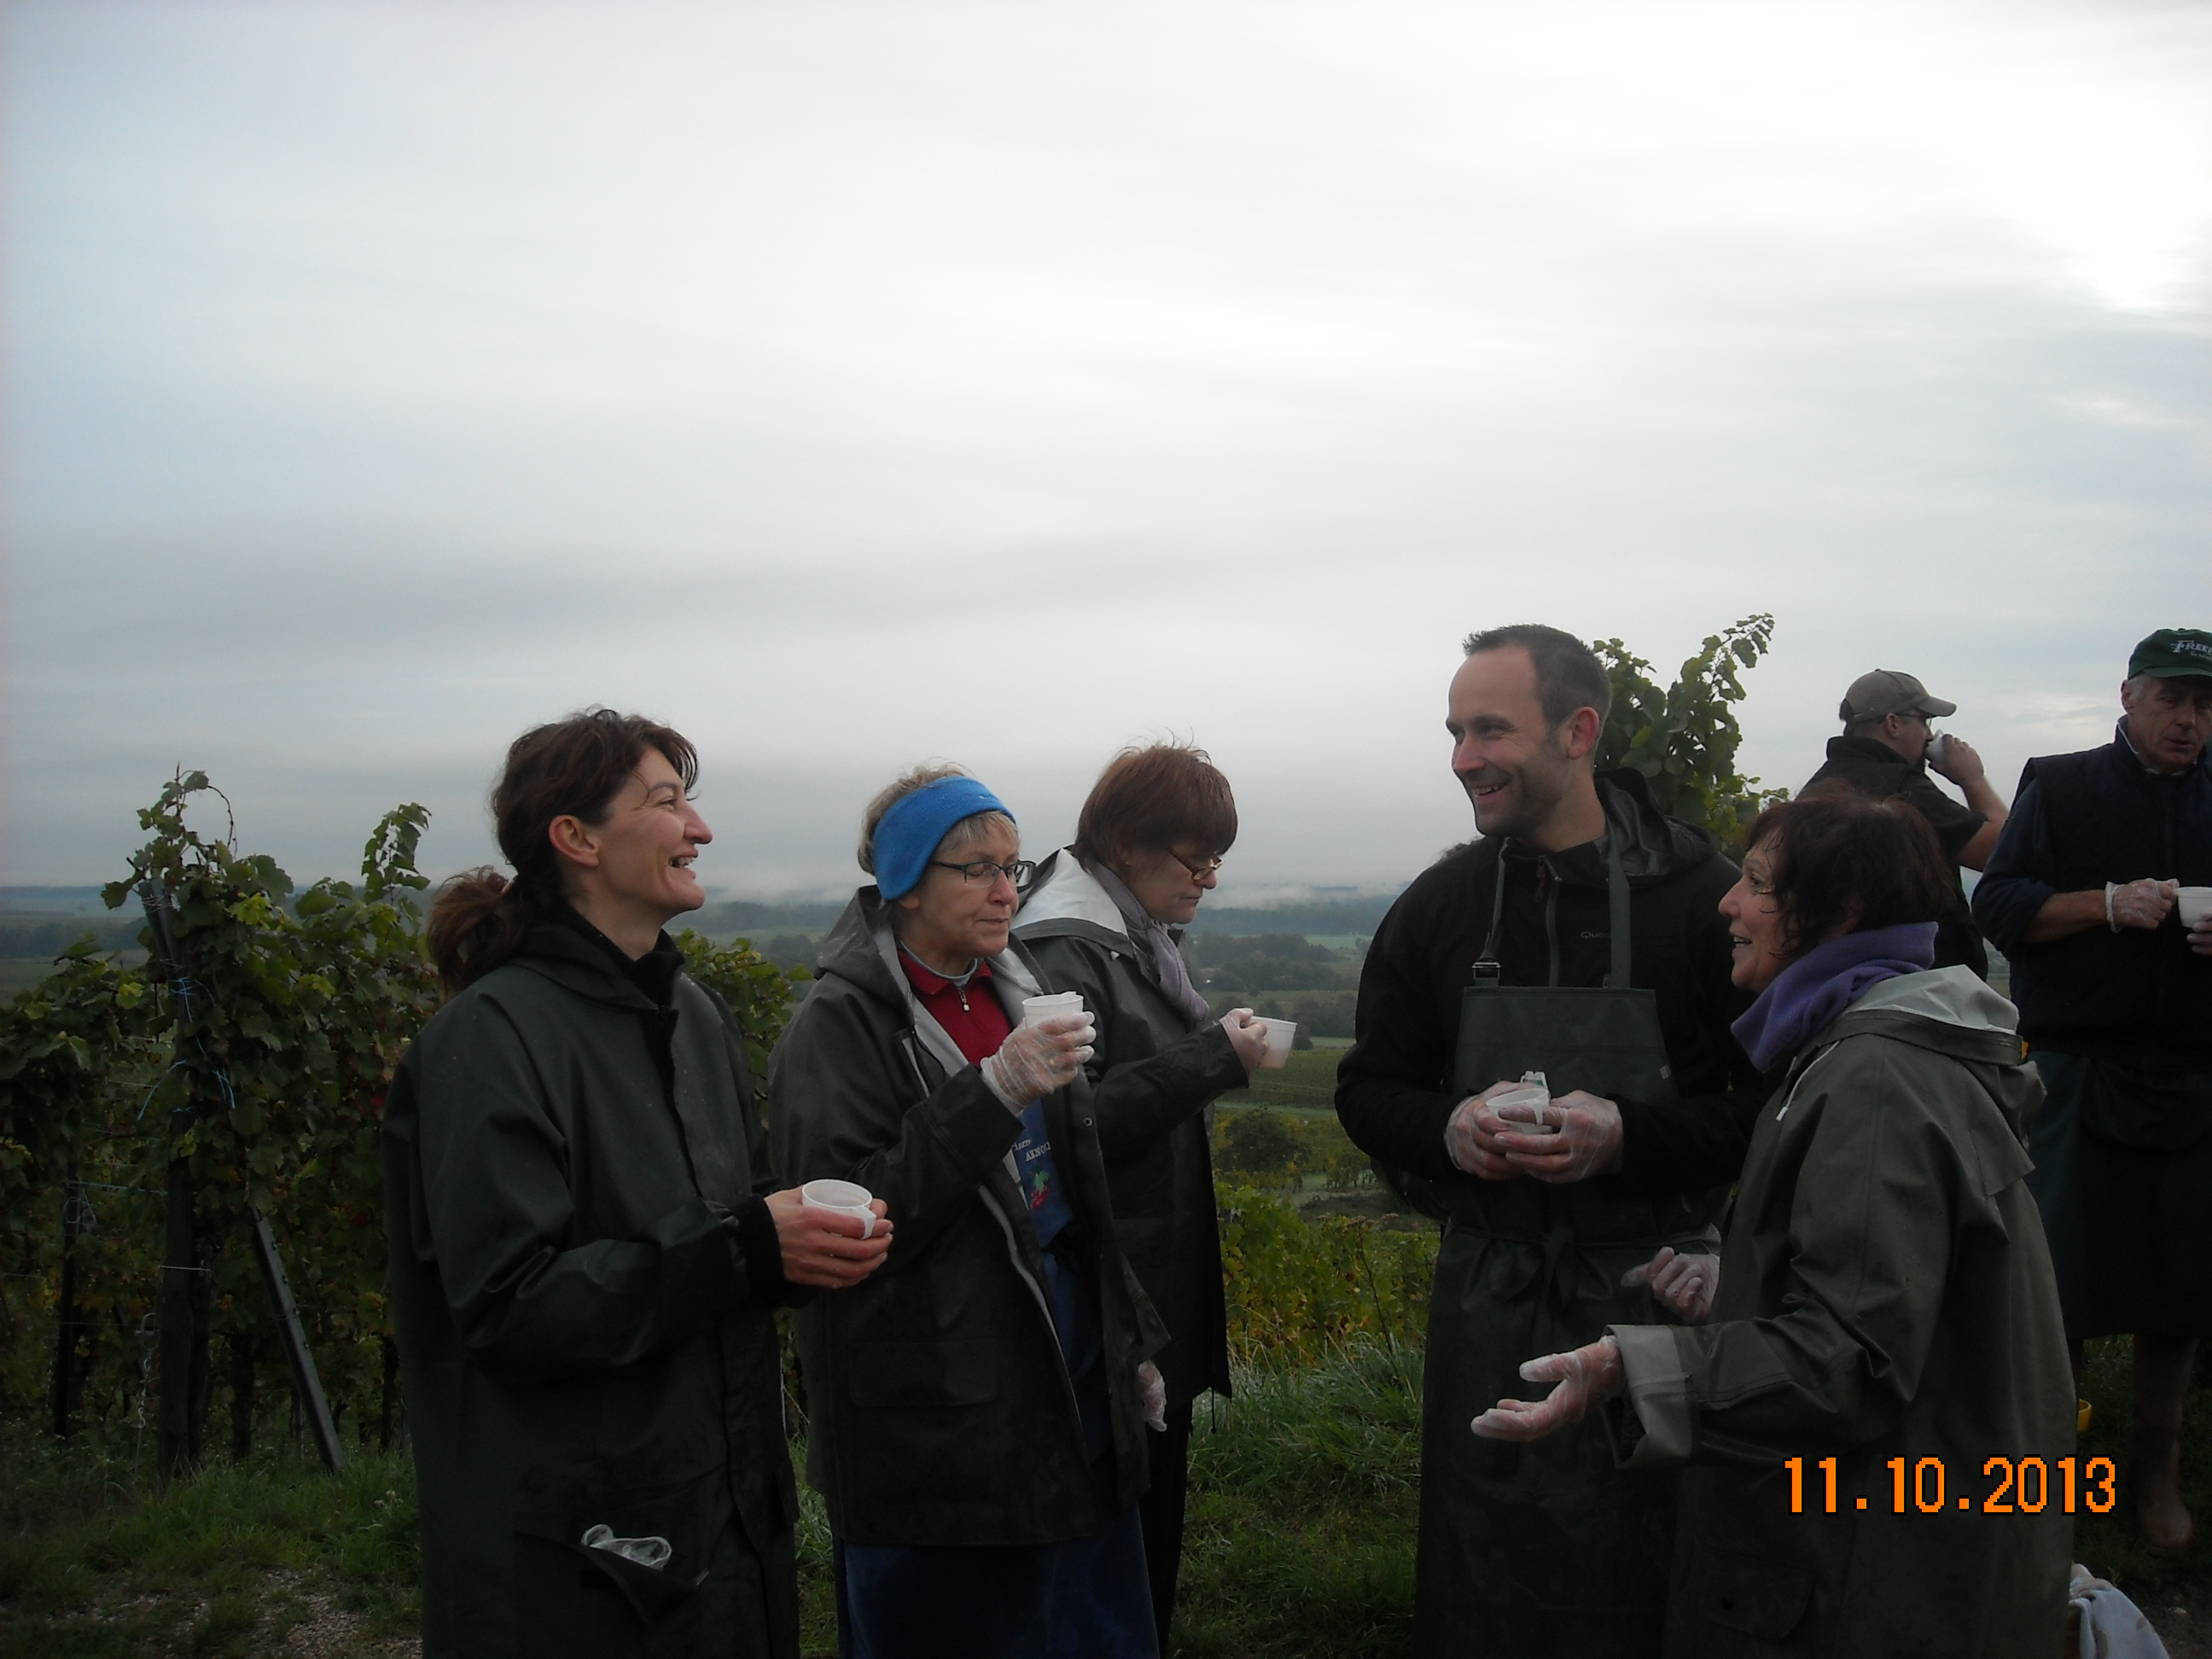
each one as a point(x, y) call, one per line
point(1153, 1388)
point(1685, 1284)
point(652, 1551)
point(1246, 1036)
point(1588, 1141)
point(2139, 904)
point(1587, 1378)
point(1035, 1059)
point(1471, 1135)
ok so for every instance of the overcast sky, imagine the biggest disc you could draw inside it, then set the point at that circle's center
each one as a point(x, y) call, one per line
point(854, 384)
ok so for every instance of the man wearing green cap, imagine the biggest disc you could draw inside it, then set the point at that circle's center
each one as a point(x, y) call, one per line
point(1888, 748)
point(2105, 853)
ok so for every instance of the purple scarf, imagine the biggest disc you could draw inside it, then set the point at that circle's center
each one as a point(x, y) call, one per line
point(1826, 980)
point(1174, 978)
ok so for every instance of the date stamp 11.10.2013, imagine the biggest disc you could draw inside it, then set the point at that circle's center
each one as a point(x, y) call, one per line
point(2008, 1486)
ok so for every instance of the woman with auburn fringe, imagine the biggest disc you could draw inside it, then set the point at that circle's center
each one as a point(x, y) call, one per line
point(1103, 919)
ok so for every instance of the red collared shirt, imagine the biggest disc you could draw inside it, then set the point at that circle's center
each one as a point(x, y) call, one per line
point(971, 1016)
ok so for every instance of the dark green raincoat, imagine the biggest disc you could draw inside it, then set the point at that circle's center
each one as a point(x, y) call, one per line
point(1887, 1302)
point(584, 1287)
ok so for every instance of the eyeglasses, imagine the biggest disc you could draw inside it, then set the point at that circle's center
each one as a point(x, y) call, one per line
point(1200, 870)
point(982, 873)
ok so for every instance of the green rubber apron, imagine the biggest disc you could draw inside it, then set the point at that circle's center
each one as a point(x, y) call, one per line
point(1547, 1548)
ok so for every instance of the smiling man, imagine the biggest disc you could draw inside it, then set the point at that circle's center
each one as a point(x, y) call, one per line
point(1580, 936)
point(2083, 894)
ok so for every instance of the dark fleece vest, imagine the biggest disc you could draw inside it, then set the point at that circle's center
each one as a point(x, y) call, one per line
point(2110, 820)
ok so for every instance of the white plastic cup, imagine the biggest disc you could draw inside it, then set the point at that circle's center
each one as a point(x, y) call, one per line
point(2195, 903)
point(1037, 1010)
point(1281, 1034)
point(1536, 1096)
point(841, 1198)
point(1938, 746)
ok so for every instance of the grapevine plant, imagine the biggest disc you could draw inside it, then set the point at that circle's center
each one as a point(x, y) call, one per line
point(254, 1065)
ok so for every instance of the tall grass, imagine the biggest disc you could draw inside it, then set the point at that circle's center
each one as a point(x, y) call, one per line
point(95, 1563)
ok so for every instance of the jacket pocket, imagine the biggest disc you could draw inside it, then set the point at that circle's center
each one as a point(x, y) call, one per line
point(571, 1599)
point(881, 1375)
point(1761, 1598)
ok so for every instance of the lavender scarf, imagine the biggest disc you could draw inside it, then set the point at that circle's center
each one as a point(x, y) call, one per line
point(1826, 980)
point(1174, 978)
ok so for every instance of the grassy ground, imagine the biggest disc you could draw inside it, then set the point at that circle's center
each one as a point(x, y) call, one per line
point(1303, 1495)
point(1300, 1539)
point(269, 1556)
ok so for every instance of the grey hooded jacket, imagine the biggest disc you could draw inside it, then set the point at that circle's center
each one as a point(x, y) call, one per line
point(940, 1409)
point(1153, 1075)
point(1886, 1302)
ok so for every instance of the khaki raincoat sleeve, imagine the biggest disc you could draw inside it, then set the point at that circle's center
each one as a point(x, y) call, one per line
point(1891, 1200)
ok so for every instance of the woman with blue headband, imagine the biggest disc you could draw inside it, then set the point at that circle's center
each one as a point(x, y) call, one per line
point(977, 1412)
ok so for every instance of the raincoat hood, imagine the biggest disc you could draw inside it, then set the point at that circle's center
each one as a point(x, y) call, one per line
point(1067, 892)
point(1653, 847)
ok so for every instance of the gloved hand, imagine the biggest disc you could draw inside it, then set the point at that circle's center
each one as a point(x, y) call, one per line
point(1687, 1284)
point(1588, 1377)
point(1588, 1143)
point(1247, 1036)
point(1035, 1059)
point(1154, 1389)
point(1471, 1135)
point(2139, 904)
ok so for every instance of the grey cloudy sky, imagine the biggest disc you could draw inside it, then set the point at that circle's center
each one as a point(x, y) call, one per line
point(850, 384)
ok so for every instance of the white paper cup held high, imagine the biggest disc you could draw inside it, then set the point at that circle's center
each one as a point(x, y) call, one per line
point(1058, 1006)
point(1281, 1034)
point(841, 1198)
point(2194, 903)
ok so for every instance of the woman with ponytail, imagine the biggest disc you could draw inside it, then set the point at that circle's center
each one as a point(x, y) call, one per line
point(588, 1246)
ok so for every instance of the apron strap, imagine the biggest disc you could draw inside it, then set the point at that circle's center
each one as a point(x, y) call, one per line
point(1486, 970)
point(1617, 884)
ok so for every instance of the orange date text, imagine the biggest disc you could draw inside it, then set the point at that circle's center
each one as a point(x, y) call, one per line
point(2008, 1486)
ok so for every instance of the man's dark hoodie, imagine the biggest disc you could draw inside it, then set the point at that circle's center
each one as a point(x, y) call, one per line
point(1394, 1090)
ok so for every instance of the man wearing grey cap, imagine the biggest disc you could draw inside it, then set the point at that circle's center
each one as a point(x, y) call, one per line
point(1888, 748)
point(2096, 892)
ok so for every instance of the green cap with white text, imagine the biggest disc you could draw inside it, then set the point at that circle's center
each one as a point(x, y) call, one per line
point(2173, 653)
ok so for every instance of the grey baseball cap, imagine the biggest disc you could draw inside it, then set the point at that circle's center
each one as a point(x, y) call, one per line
point(1889, 691)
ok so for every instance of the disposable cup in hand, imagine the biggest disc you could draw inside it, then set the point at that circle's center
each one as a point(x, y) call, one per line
point(841, 1198)
point(1534, 1101)
point(1037, 1010)
point(2195, 903)
point(1281, 1034)
point(1938, 747)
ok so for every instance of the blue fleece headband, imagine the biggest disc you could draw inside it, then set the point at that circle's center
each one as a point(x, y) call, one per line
point(909, 832)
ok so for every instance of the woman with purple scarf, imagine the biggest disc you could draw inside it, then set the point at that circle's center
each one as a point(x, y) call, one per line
point(1870, 1386)
point(1103, 918)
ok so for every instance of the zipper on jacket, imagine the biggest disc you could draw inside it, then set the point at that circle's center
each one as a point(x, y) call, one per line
point(1549, 881)
point(1044, 1303)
